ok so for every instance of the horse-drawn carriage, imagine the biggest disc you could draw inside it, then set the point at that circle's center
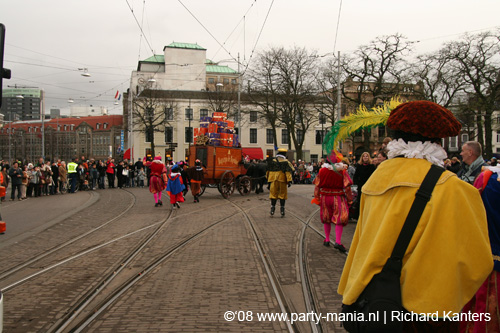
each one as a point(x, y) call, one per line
point(224, 169)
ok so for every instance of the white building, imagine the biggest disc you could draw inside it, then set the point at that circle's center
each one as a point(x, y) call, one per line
point(191, 83)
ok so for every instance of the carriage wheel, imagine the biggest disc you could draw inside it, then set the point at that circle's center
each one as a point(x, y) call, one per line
point(244, 185)
point(226, 186)
point(203, 187)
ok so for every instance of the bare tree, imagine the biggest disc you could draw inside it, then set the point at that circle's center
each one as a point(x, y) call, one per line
point(152, 111)
point(379, 71)
point(222, 98)
point(438, 77)
point(478, 64)
point(283, 84)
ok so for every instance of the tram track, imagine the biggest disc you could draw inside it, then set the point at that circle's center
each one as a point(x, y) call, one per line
point(40, 256)
point(131, 282)
point(269, 267)
point(308, 289)
point(106, 290)
point(98, 284)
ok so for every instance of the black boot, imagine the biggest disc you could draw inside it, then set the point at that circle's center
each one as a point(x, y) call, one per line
point(282, 208)
point(273, 206)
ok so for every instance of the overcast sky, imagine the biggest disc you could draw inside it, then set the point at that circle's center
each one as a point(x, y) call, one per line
point(48, 40)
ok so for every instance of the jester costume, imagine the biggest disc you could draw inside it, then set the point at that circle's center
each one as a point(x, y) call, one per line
point(333, 194)
point(157, 179)
point(196, 175)
point(487, 297)
point(279, 175)
point(175, 187)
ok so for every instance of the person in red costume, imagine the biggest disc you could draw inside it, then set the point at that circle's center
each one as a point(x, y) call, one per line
point(333, 194)
point(157, 179)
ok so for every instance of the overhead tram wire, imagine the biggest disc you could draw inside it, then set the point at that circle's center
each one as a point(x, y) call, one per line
point(140, 27)
point(203, 26)
point(457, 34)
point(258, 37)
point(221, 46)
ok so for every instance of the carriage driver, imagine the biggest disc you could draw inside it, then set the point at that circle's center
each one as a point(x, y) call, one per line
point(279, 175)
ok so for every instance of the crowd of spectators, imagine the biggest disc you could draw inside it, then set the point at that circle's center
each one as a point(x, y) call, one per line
point(24, 179)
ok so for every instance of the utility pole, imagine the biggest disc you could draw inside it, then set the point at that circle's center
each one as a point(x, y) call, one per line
point(239, 99)
point(339, 100)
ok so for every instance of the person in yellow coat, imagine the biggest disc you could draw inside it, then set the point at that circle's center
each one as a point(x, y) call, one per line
point(448, 257)
point(279, 175)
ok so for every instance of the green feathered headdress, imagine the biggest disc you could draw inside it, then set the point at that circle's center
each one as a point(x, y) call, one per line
point(361, 119)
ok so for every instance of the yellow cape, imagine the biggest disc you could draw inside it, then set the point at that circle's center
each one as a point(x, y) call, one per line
point(449, 256)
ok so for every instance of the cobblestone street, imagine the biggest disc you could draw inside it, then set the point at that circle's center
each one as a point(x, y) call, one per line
point(198, 263)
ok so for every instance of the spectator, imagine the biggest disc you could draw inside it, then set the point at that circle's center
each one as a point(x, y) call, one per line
point(16, 177)
point(141, 177)
point(455, 165)
point(25, 182)
point(101, 169)
point(63, 175)
point(55, 178)
point(472, 161)
point(110, 171)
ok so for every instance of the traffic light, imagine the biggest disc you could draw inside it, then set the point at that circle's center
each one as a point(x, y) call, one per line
point(4, 72)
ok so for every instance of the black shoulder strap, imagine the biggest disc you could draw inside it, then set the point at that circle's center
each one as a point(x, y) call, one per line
point(422, 196)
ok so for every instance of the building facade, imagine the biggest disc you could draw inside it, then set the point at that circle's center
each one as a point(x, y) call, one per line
point(191, 87)
point(64, 138)
point(22, 104)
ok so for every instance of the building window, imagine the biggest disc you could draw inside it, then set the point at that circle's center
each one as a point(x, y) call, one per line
point(269, 136)
point(226, 81)
point(253, 116)
point(453, 144)
point(169, 114)
point(72, 127)
point(233, 81)
point(105, 125)
point(169, 134)
point(320, 135)
point(314, 158)
point(149, 133)
point(465, 138)
point(188, 134)
point(97, 126)
point(253, 135)
point(300, 135)
point(284, 136)
point(498, 137)
point(322, 119)
point(203, 113)
point(381, 131)
point(188, 114)
point(211, 80)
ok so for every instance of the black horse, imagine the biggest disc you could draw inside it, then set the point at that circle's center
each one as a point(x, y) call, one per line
point(257, 172)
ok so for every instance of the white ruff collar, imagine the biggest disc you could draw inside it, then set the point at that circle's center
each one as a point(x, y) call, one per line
point(279, 155)
point(328, 166)
point(338, 166)
point(494, 169)
point(431, 152)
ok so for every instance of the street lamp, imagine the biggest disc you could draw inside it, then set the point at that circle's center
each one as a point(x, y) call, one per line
point(322, 121)
point(191, 135)
point(85, 72)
